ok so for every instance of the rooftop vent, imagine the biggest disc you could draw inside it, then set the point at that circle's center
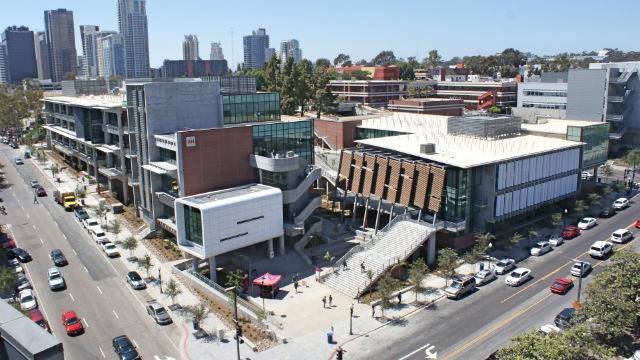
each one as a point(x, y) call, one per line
point(428, 148)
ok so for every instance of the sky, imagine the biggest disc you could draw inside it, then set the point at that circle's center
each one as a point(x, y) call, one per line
point(361, 29)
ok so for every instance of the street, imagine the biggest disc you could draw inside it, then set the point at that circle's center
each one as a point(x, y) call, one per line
point(96, 287)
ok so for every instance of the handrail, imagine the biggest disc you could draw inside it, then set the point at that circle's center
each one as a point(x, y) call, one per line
point(255, 309)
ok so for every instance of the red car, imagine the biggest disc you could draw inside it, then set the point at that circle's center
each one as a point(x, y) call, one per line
point(71, 323)
point(40, 191)
point(570, 232)
point(36, 316)
point(7, 243)
point(561, 286)
point(638, 223)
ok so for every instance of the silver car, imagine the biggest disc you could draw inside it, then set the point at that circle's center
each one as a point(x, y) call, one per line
point(485, 276)
point(158, 312)
point(504, 265)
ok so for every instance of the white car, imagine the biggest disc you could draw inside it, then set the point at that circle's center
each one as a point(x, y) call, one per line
point(600, 249)
point(556, 240)
point(518, 276)
point(540, 248)
point(56, 281)
point(34, 184)
point(504, 265)
point(621, 236)
point(90, 222)
point(580, 268)
point(110, 249)
point(621, 203)
point(98, 234)
point(27, 300)
point(545, 330)
point(485, 276)
point(587, 223)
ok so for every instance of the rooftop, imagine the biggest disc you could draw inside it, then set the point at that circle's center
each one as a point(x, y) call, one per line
point(224, 194)
point(557, 126)
point(458, 151)
point(89, 101)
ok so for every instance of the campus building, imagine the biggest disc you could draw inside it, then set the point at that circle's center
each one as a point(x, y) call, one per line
point(369, 92)
point(478, 95)
point(193, 68)
point(433, 106)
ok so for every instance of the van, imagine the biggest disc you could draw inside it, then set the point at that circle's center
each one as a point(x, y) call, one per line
point(621, 236)
point(460, 287)
point(98, 234)
point(562, 319)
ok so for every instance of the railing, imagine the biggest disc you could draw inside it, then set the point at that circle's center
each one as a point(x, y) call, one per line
point(255, 309)
point(324, 139)
point(614, 117)
point(615, 99)
point(289, 196)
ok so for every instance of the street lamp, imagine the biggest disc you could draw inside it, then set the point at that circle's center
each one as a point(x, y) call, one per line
point(351, 319)
point(489, 246)
point(564, 219)
point(580, 279)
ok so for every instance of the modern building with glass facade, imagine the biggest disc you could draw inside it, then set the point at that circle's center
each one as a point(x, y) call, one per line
point(61, 43)
point(20, 56)
point(249, 108)
point(132, 25)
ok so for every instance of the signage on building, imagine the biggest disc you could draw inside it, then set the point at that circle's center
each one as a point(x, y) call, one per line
point(191, 141)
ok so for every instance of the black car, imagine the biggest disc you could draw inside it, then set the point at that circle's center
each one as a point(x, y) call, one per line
point(58, 258)
point(563, 318)
point(607, 212)
point(124, 348)
point(81, 214)
point(17, 253)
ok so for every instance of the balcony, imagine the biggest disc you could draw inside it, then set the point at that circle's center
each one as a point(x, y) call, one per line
point(110, 172)
point(168, 225)
point(615, 99)
point(167, 198)
point(65, 149)
point(166, 142)
point(112, 129)
point(615, 117)
point(161, 168)
point(276, 162)
point(128, 153)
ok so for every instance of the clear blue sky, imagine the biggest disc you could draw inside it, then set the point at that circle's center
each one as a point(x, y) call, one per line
point(362, 29)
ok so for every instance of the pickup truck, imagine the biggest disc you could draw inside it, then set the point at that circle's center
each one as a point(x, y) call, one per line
point(66, 198)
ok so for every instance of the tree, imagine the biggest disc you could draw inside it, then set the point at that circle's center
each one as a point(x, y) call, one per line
point(593, 199)
point(606, 171)
point(197, 313)
point(99, 211)
point(69, 76)
point(304, 83)
point(413, 63)
point(116, 227)
point(146, 264)
point(386, 287)
point(55, 169)
point(361, 62)
point(272, 75)
point(322, 63)
point(235, 279)
point(322, 96)
point(556, 219)
point(288, 89)
point(479, 250)
point(384, 58)
point(261, 83)
point(434, 58)
point(8, 281)
point(515, 240)
point(328, 257)
point(172, 290)
point(406, 71)
point(532, 234)
point(418, 270)
point(579, 207)
point(130, 243)
point(447, 263)
point(342, 60)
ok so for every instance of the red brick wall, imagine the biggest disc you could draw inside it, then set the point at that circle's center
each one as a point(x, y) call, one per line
point(340, 133)
point(219, 160)
point(460, 242)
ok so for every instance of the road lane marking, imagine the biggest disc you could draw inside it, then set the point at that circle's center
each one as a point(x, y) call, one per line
point(413, 352)
point(74, 251)
point(85, 269)
point(101, 352)
point(28, 216)
point(41, 241)
point(100, 290)
point(116, 314)
point(86, 324)
point(504, 322)
point(34, 227)
point(71, 296)
point(65, 237)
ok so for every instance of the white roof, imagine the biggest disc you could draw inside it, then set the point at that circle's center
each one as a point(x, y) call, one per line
point(458, 151)
point(89, 101)
point(557, 126)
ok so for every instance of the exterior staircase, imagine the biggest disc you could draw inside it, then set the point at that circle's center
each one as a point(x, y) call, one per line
point(393, 244)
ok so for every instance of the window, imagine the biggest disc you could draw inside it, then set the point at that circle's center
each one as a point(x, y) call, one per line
point(193, 224)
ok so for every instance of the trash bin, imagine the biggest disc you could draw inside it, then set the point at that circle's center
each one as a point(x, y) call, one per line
point(330, 337)
point(195, 325)
point(481, 266)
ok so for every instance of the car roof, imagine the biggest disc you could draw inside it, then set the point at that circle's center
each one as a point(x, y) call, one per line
point(56, 251)
point(69, 313)
point(542, 242)
point(122, 340)
point(35, 315)
point(563, 279)
point(521, 270)
point(620, 231)
point(600, 243)
point(154, 304)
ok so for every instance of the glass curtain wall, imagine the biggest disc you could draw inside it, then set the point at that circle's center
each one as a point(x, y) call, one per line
point(281, 137)
point(250, 108)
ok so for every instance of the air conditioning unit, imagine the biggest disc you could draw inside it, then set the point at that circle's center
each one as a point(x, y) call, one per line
point(429, 148)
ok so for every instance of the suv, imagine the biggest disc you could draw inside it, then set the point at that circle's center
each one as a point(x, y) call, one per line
point(90, 222)
point(562, 319)
point(81, 214)
point(621, 236)
point(600, 249)
point(56, 281)
point(158, 313)
point(460, 287)
point(124, 348)
point(621, 203)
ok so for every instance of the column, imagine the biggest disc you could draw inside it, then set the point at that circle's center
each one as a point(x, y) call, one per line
point(378, 216)
point(353, 212)
point(269, 247)
point(364, 220)
point(212, 269)
point(281, 243)
point(431, 248)
point(195, 262)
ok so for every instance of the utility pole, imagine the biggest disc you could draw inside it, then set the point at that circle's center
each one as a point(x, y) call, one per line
point(580, 280)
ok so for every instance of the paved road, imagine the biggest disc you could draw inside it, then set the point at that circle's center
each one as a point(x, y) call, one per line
point(474, 327)
point(96, 289)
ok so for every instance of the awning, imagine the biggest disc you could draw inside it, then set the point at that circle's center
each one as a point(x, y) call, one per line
point(104, 149)
point(164, 165)
point(154, 169)
point(267, 279)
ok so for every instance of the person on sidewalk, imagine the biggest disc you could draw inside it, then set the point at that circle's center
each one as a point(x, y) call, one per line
point(344, 264)
point(362, 268)
point(399, 298)
point(295, 285)
point(35, 199)
point(324, 302)
point(330, 300)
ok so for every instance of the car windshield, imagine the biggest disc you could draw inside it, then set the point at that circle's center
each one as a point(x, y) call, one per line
point(72, 321)
point(537, 246)
point(160, 311)
point(126, 348)
point(456, 285)
point(502, 263)
point(109, 247)
point(135, 276)
point(27, 298)
point(54, 276)
point(100, 234)
point(557, 283)
point(41, 323)
point(516, 274)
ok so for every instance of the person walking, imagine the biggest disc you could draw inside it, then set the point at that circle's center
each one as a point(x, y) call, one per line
point(344, 264)
point(35, 199)
point(295, 285)
point(399, 298)
point(362, 268)
point(330, 300)
point(324, 302)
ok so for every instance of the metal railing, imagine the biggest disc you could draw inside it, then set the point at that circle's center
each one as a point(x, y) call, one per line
point(251, 307)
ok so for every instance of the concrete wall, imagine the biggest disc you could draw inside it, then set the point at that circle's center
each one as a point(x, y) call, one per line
point(531, 115)
point(340, 133)
point(548, 100)
point(586, 98)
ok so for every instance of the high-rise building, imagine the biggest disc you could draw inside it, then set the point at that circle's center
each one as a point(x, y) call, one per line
point(256, 49)
point(290, 49)
point(3, 69)
point(61, 42)
point(89, 35)
point(190, 48)
point(20, 57)
point(132, 22)
point(216, 51)
point(42, 55)
point(111, 60)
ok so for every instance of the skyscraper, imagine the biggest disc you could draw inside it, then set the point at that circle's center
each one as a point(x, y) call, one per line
point(290, 48)
point(132, 22)
point(20, 56)
point(3, 69)
point(61, 43)
point(110, 54)
point(190, 48)
point(216, 51)
point(89, 35)
point(256, 49)
point(42, 55)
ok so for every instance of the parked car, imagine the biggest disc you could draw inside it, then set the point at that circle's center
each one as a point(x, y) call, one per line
point(110, 249)
point(23, 283)
point(158, 312)
point(460, 287)
point(58, 257)
point(36, 316)
point(98, 234)
point(505, 265)
point(621, 236)
point(27, 155)
point(547, 329)
point(20, 254)
point(124, 348)
point(570, 232)
point(638, 224)
point(135, 280)
point(7, 243)
point(90, 222)
point(19, 161)
point(34, 184)
point(621, 203)
point(71, 322)
point(40, 191)
point(587, 223)
point(561, 285)
point(562, 320)
point(485, 276)
point(81, 214)
point(580, 268)
point(606, 212)
point(518, 277)
point(27, 300)
point(540, 248)
point(600, 249)
point(55, 279)
point(556, 240)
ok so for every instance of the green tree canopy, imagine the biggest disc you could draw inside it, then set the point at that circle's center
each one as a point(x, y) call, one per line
point(384, 58)
point(342, 60)
point(323, 63)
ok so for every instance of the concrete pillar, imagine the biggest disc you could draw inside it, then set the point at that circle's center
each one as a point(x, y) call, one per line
point(378, 215)
point(195, 262)
point(419, 214)
point(353, 212)
point(212, 269)
point(269, 247)
point(364, 220)
point(281, 245)
point(431, 248)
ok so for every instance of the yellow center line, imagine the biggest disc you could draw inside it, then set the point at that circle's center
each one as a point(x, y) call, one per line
point(488, 332)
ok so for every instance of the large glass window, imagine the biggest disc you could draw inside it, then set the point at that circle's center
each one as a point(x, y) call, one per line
point(296, 136)
point(246, 108)
point(368, 133)
point(193, 224)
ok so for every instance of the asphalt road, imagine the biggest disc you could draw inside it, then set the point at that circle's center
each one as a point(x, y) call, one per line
point(96, 288)
point(477, 325)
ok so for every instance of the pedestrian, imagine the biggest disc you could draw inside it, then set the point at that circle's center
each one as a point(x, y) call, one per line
point(373, 310)
point(362, 268)
point(324, 302)
point(399, 298)
point(295, 285)
point(35, 199)
point(330, 300)
point(344, 264)
point(317, 274)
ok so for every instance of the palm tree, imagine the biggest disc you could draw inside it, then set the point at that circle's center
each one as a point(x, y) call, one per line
point(197, 314)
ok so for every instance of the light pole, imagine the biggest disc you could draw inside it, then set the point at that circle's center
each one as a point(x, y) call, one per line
point(489, 246)
point(580, 280)
point(262, 294)
point(235, 318)
point(351, 319)
point(564, 219)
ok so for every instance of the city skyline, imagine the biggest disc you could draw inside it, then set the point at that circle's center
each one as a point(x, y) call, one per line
point(424, 26)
